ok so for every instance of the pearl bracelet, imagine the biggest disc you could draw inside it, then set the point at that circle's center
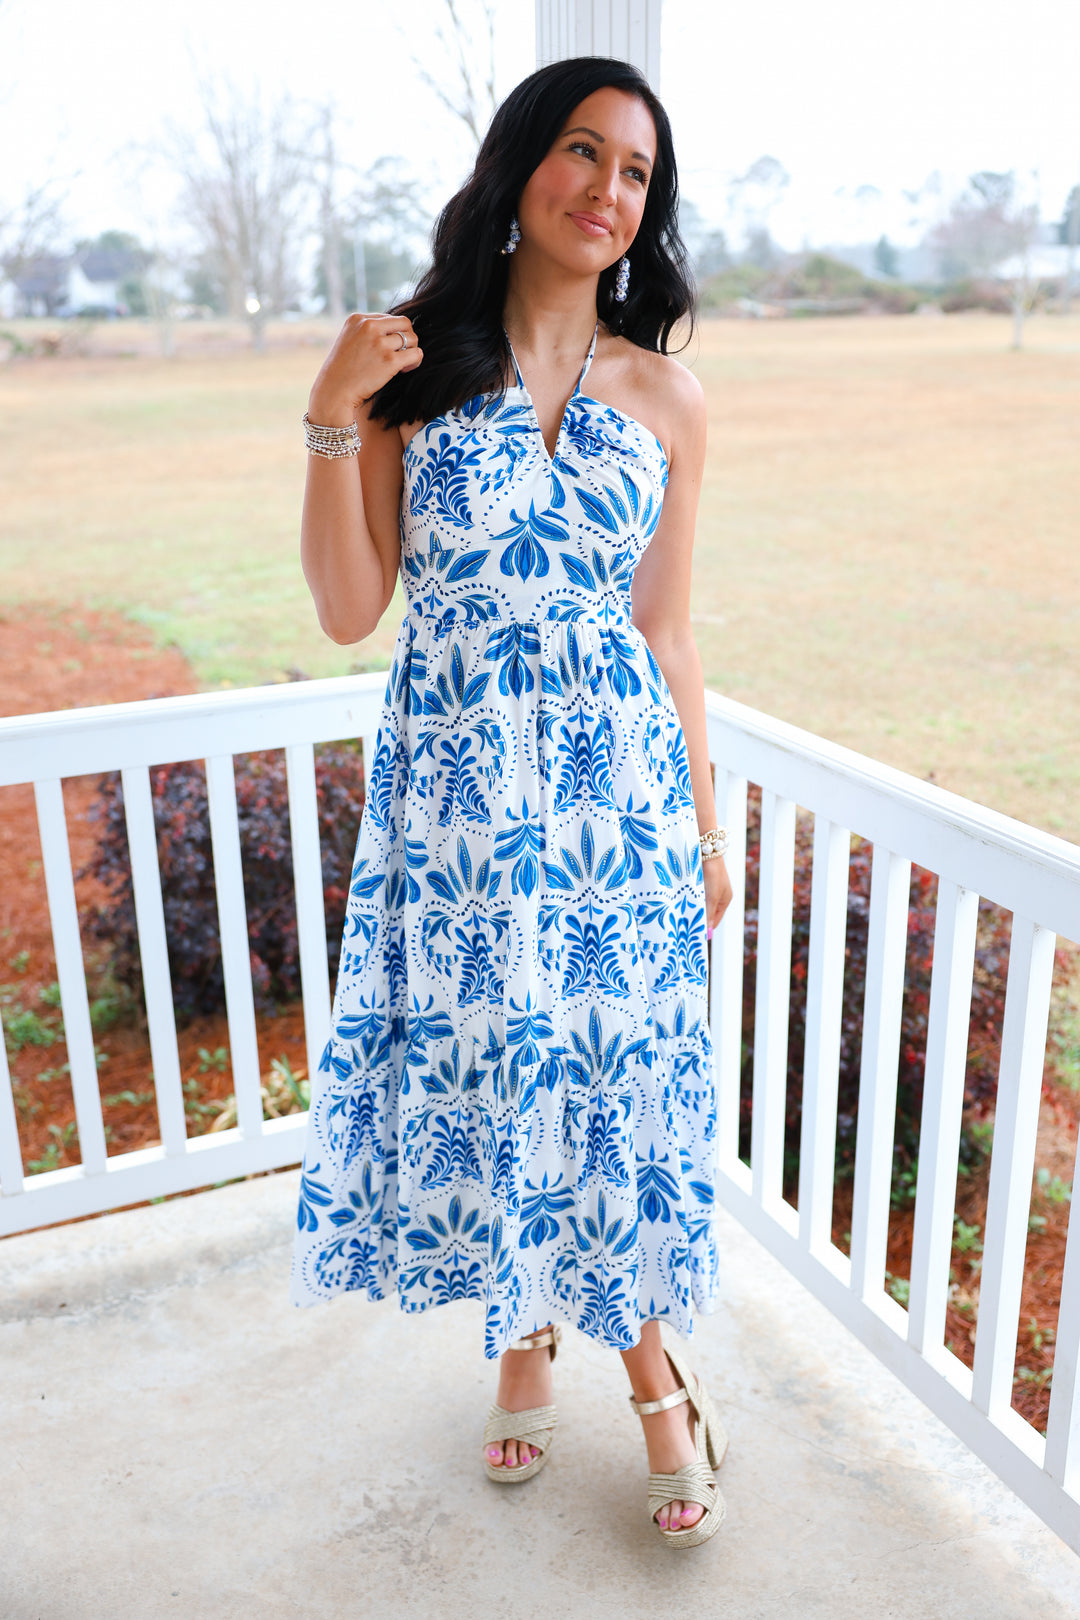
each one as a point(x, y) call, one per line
point(713, 843)
point(331, 442)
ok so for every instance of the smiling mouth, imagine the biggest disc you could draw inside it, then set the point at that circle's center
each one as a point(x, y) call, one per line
point(591, 224)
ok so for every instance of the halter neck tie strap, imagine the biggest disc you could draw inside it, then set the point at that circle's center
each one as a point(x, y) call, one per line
point(582, 374)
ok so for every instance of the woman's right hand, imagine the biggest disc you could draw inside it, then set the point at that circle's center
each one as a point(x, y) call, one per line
point(367, 352)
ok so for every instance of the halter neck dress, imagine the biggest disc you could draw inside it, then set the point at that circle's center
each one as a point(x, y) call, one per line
point(516, 1102)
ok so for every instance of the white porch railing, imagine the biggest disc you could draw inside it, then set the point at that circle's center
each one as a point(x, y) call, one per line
point(974, 851)
point(130, 738)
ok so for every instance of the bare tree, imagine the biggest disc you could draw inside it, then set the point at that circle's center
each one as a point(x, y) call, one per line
point(466, 87)
point(327, 170)
point(29, 229)
point(706, 245)
point(989, 231)
point(752, 198)
point(388, 220)
point(1070, 235)
point(244, 182)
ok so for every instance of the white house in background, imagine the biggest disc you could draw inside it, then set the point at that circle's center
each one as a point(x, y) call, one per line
point(1043, 261)
point(89, 279)
point(95, 278)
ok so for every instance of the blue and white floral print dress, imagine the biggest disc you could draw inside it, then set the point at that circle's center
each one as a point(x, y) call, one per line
point(516, 1102)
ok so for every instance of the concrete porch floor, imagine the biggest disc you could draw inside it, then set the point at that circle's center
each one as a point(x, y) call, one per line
point(179, 1441)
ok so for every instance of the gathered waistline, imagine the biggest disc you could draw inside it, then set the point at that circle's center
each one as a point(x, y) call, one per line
point(450, 621)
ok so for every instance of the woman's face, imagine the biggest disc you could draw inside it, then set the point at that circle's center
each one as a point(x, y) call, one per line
point(582, 206)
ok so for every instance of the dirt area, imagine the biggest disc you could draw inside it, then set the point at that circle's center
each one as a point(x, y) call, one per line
point(50, 659)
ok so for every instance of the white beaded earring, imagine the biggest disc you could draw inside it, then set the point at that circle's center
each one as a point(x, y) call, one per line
point(622, 280)
point(514, 238)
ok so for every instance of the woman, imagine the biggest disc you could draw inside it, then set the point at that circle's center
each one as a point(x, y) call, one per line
point(518, 1098)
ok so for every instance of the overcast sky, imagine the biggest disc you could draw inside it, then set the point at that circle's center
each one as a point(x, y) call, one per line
point(844, 94)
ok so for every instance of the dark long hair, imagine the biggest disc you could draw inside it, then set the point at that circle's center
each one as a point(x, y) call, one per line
point(457, 306)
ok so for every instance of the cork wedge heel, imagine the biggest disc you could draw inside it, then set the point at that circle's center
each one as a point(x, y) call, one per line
point(693, 1482)
point(535, 1426)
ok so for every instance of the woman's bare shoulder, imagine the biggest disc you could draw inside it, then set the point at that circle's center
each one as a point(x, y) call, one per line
point(668, 396)
point(672, 382)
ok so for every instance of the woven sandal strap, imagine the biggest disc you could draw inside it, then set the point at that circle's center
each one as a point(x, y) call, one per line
point(534, 1425)
point(552, 1337)
point(643, 1408)
point(692, 1483)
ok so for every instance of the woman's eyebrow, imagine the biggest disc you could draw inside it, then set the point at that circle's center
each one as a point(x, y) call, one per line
point(583, 129)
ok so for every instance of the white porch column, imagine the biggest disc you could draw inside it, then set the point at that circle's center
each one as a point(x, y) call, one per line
point(627, 29)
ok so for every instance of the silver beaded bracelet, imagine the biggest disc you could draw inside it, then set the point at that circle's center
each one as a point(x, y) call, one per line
point(714, 843)
point(331, 442)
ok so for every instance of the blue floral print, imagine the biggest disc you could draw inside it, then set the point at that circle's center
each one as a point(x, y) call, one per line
point(516, 1101)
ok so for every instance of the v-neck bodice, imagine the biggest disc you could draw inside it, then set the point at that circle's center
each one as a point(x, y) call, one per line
point(495, 528)
point(577, 389)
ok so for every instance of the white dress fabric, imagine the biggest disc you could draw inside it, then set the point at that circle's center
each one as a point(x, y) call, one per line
point(516, 1103)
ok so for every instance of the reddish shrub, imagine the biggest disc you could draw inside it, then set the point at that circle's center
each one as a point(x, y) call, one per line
point(187, 874)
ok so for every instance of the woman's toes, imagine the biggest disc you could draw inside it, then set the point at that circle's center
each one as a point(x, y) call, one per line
point(510, 1456)
point(494, 1455)
point(691, 1513)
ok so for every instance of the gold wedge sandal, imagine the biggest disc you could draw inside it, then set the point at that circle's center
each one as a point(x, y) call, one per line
point(693, 1482)
point(535, 1426)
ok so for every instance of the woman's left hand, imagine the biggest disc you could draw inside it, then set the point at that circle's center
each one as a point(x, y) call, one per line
point(717, 891)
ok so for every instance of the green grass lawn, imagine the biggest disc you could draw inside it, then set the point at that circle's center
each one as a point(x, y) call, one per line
point(888, 549)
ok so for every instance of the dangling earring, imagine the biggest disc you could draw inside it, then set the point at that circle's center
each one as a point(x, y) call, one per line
point(514, 238)
point(622, 280)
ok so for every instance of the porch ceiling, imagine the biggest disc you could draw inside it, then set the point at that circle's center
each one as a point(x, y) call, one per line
point(180, 1441)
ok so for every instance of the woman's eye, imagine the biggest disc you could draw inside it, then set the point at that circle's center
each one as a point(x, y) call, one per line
point(590, 151)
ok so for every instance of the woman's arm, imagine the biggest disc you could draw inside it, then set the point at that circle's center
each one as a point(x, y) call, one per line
point(349, 536)
point(661, 604)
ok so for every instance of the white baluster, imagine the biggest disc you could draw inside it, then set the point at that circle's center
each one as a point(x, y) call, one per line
point(154, 955)
point(942, 1110)
point(310, 909)
point(235, 948)
point(890, 884)
point(11, 1167)
point(1063, 1423)
point(70, 973)
point(824, 1013)
point(1012, 1165)
point(726, 983)
point(772, 998)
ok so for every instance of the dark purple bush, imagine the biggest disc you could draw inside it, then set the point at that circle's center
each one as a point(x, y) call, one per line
point(187, 874)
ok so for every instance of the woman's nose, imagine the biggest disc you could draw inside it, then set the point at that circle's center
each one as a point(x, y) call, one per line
point(605, 184)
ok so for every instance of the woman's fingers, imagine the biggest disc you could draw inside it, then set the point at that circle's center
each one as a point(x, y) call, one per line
point(718, 893)
point(367, 352)
point(403, 346)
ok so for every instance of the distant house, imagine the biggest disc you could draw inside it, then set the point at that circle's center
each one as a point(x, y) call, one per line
point(38, 286)
point(96, 278)
point(89, 280)
point(1043, 261)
